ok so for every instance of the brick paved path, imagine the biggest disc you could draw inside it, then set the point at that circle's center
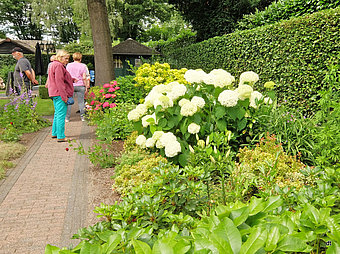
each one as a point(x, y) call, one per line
point(44, 199)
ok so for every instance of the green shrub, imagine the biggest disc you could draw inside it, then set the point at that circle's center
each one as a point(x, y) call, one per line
point(284, 9)
point(128, 92)
point(294, 54)
point(263, 167)
point(115, 124)
point(43, 92)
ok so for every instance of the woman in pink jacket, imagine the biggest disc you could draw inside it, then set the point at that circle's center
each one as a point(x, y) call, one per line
point(60, 88)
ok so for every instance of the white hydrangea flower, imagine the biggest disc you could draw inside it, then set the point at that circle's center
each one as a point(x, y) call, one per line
point(193, 128)
point(255, 96)
point(222, 78)
point(145, 121)
point(159, 144)
point(150, 142)
point(199, 101)
point(249, 77)
point(164, 101)
point(167, 138)
point(244, 91)
point(188, 109)
point(182, 102)
point(133, 115)
point(152, 96)
point(172, 149)
point(157, 135)
point(140, 140)
point(160, 88)
point(228, 98)
point(194, 76)
point(177, 91)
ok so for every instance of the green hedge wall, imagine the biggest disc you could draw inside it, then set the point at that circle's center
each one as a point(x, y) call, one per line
point(294, 54)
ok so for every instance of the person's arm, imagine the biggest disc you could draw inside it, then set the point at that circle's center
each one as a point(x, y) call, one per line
point(31, 76)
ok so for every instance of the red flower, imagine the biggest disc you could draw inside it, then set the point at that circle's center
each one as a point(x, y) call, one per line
point(92, 103)
point(66, 149)
point(108, 95)
point(106, 85)
point(101, 90)
point(11, 123)
point(106, 104)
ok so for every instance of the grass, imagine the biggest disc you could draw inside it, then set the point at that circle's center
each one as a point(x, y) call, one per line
point(44, 106)
point(9, 152)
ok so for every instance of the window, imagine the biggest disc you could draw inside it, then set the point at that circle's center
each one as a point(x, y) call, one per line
point(117, 63)
point(138, 62)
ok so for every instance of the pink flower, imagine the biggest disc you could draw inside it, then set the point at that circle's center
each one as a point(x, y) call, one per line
point(101, 91)
point(108, 95)
point(111, 89)
point(112, 105)
point(92, 95)
point(106, 85)
point(106, 104)
point(92, 103)
point(114, 83)
point(113, 95)
point(117, 88)
point(97, 107)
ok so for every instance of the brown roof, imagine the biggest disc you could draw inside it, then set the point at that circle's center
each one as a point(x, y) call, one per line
point(6, 46)
point(132, 47)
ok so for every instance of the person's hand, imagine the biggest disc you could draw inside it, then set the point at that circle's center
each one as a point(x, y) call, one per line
point(35, 82)
point(75, 80)
point(46, 85)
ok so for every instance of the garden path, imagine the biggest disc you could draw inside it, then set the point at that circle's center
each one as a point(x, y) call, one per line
point(44, 199)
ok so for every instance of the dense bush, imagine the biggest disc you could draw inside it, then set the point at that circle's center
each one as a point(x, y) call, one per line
point(294, 54)
point(43, 92)
point(129, 92)
point(284, 9)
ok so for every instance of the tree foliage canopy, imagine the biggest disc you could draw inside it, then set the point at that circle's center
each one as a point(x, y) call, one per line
point(216, 17)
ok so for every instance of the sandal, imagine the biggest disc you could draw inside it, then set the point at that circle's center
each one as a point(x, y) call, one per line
point(64, 140)
point(54, 137)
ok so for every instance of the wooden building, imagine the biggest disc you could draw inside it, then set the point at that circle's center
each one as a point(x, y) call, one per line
point(130, 51)
point(6, 46)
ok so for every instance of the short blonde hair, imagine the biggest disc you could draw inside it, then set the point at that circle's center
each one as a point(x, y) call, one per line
point(61, 53)
point(77, 56)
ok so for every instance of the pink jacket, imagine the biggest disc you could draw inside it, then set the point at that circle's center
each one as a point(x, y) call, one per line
point(60, 82)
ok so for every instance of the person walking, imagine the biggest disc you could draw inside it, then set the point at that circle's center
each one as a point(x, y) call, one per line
point(52, 59)
point(80, 73)
point(23, 75)
point(60, 88)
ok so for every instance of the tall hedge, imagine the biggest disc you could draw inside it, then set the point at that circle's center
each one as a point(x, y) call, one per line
point(294, 54)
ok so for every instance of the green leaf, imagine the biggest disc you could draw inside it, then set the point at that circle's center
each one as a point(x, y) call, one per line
point(204, 244)
point(333, 249)
point(221, 125)
point(291, 244)
point(112, 243)
point(182, 247)
point(256, 205)
point(141, 247)
point(162, 122)
point(183, 158)
point(272, 203)
point(255, 241)
point(220, 112)
point(272, 239)
point(91, 248)
point(228, 230)
point(49, 249)
point(240, 215)
point(162, 247)
point(241, 124)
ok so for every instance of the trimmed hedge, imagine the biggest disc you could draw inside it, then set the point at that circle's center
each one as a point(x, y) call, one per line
point(294, 54)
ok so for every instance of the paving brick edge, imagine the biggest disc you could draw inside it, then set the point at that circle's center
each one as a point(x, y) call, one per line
point(76, 212)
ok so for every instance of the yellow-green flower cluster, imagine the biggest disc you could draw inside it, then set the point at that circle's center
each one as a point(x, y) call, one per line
point(148, 76)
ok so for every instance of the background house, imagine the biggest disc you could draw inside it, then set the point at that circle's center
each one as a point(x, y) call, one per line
point(130, 51)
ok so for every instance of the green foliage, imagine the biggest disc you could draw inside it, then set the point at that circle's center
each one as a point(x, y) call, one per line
point(8, 153)
point(284, 9)
point(129, 92)
point(134, 170)
point(262, 168)
point(115, 124)
point(214, 18)
point(291, 128)
point(294, 54)
point(85, 47)
point(4, 70)
point(19, 116)
point(43, 92)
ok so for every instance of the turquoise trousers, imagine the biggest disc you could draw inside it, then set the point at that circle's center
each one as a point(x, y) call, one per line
point(60, 109)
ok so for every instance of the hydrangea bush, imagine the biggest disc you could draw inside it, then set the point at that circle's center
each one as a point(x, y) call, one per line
point(175, 115)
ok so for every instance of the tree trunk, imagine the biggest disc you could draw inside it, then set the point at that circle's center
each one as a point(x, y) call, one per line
point(102, 43)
